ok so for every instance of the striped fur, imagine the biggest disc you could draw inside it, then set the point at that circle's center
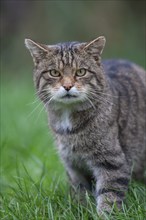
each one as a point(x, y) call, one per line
point(99, 122)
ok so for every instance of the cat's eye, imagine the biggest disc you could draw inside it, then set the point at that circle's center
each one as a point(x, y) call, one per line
point(54, 73)
point(81, 72)
point(51, 73)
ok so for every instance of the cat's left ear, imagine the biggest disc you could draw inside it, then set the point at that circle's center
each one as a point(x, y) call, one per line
point(37, 50)
point(95, 47)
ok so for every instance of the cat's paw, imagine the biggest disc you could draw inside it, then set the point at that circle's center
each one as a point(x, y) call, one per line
point(106, 208)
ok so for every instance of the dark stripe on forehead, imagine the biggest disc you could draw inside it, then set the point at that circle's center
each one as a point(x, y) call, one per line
point(72, 44)
point(68, 44)
point(67, 52)
point(65, 57)
point(61, 53)
point(72, 51)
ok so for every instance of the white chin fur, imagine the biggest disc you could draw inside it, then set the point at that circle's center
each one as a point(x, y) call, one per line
point(74, 96)
point(69, 100)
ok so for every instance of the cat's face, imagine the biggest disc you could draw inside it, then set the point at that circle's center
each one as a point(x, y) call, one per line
point(67, 73)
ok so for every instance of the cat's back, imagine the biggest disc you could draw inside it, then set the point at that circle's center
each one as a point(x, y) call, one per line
point(128, 81)
point(124, 70)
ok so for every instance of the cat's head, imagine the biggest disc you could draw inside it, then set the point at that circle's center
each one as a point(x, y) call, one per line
point(68, 73)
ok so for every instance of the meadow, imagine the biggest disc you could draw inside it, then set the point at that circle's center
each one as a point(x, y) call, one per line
point(33, 182)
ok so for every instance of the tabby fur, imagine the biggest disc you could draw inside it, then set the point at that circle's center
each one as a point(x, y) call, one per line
point(97, 112)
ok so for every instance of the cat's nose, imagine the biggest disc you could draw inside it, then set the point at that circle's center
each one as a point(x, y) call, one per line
point(67, 87)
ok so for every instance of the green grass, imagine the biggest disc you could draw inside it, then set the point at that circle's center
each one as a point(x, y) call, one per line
point(33, 182)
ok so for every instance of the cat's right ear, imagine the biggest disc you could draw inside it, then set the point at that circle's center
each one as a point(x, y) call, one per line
point(37, 51)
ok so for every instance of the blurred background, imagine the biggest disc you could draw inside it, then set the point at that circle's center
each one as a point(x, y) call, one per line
point(122, 23)
point(24, 133)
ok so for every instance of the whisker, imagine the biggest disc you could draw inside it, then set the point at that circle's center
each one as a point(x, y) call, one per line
point(87, 97)
point(36, 108)
point(44, 90)
point(102, 93)
point(44, 106)
point(113, 96)
point(105, 100)
point(50, 100)
point(36, 100)
point(101, 98)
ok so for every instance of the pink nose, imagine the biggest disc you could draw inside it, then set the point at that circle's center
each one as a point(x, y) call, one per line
point(67, 87)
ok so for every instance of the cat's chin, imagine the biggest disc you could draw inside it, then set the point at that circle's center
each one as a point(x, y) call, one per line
point(73, 104)
point(69, 100)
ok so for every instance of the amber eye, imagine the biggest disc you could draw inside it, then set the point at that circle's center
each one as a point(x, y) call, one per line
point(54, 73)
point(51, 73)
point(81, 72)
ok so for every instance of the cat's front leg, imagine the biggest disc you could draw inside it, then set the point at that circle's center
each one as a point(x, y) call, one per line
point(79, 181)
point(111, 184)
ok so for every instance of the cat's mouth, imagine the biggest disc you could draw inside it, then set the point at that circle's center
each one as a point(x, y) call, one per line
point(69, 96)
point(69, 99)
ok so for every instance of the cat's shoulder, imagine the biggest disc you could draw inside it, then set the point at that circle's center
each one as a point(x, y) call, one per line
point(115, 64)
point(117, 67)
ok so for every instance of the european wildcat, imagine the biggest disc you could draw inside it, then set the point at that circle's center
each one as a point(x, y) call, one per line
point(97, 113)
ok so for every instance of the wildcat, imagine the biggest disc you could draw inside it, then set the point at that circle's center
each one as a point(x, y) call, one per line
point(96, 111)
